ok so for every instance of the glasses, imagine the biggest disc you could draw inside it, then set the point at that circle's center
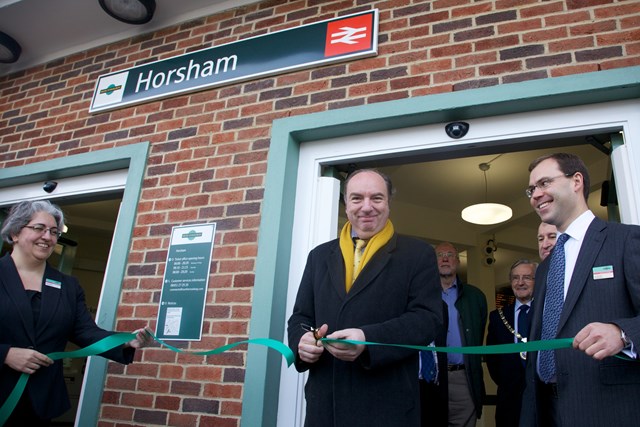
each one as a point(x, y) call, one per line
point(544, 183)
point(525, 278)
point(42, 230)
point(446, 255)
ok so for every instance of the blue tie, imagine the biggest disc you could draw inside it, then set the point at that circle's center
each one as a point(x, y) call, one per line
point(428, 369)
point(553, 301)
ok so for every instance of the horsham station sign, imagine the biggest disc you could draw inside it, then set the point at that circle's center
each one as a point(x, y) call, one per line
point(320, 43)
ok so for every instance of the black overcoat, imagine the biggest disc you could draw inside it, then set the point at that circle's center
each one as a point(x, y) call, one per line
point(395, 299)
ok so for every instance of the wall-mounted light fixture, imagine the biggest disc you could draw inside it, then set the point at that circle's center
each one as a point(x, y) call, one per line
point(486, 213)
point(10, 50)
point(136, 12)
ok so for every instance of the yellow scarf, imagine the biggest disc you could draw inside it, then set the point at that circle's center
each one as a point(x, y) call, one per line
point(375, 243)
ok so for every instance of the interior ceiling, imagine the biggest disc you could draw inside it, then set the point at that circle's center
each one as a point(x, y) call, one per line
point(52, 29)
point(450, 181)
point(458, 183)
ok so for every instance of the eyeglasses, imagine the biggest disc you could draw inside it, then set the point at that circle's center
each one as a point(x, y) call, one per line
point(445, 255)
point(544, 183)
point(525, 278)
point(42, 230)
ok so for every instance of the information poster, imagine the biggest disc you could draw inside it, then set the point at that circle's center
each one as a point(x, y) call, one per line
point(184, 288)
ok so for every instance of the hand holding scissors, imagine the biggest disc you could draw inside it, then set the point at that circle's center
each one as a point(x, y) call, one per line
point(310, 348)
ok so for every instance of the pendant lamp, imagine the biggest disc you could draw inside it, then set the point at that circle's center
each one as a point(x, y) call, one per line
point(486, 213)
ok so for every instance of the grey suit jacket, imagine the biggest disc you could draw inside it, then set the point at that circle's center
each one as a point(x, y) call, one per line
point(591, 392)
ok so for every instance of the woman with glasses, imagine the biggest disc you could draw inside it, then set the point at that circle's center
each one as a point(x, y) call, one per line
point(40, 310)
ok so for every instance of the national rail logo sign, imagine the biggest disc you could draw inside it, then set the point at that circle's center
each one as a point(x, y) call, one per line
point(331, 41)
point(349, 35)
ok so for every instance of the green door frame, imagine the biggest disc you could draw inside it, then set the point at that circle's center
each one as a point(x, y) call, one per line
point(262, 380)
point(134, 159)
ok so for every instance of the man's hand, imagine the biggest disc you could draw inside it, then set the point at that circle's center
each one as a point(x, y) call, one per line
point(309, 348)
point(599, 340)
point(26, 360)
point(346, 352)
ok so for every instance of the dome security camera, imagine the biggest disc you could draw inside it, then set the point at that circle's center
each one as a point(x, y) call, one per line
point(456, 130)
point(49, 186)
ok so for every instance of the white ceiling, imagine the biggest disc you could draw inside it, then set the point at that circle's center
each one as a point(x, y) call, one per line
point(51, 29)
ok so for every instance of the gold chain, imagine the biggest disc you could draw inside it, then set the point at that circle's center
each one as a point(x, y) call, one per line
point(523, 354)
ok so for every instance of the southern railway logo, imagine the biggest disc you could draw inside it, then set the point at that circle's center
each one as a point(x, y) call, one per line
point(110, 89)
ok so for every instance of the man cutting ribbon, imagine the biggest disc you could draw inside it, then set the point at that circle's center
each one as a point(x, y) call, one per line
point(391, 295)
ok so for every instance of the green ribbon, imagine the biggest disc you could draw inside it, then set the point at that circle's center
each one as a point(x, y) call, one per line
point(267, 342)
point(118, 339)
point(478, 349)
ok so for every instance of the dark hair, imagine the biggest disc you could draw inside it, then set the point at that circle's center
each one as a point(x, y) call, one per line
point(21, 214)
point(569, 164)
point(523, 261)
point(387, 181)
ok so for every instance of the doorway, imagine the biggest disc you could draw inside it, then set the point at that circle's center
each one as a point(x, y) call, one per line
point(115, 173)
point(423, 159)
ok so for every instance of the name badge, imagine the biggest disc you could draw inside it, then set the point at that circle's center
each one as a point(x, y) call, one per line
point(604, 272)
point(52, 283)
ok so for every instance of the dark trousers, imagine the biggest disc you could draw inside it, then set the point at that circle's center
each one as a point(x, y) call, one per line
point(23, 415)
point(434, 405)
point(547, 395)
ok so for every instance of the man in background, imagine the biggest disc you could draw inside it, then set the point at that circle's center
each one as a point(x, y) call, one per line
point(467, 318)
point(546, 239)
point(507, 326)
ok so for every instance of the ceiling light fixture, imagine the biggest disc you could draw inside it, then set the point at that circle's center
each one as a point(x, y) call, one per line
point(135, 12)
point(486, 213)
point(10, 50)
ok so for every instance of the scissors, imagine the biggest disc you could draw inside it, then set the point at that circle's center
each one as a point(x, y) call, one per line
point(316, 331)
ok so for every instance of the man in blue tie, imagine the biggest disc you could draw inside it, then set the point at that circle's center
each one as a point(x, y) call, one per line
point(587, 289)
point(510, 325)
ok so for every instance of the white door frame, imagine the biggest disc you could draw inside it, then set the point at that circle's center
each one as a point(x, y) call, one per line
point(314, 201)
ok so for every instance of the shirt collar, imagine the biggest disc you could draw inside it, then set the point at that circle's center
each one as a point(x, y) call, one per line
point(519, 304)
point(578, 228)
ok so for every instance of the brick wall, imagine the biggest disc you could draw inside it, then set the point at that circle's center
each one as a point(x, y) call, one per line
point(209, 149)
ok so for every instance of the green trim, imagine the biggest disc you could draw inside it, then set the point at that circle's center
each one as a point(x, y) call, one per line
point(262, 381)
point(135, 158)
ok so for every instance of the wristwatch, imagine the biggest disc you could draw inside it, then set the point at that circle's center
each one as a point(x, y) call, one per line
point(625, 340)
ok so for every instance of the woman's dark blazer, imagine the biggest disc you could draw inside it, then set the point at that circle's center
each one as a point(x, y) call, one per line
point(63, 317)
